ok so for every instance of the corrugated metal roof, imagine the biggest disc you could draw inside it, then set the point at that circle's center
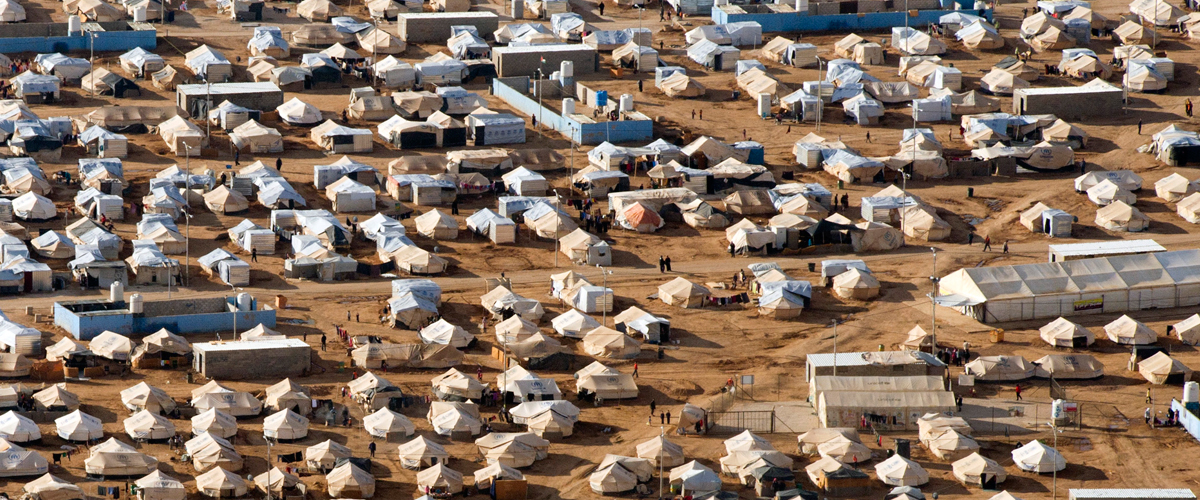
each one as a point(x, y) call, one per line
point(446, 15)
point(1107, 247)
point(565, 47)
point(248, 345)
point(1163, 493)
point(228, 88)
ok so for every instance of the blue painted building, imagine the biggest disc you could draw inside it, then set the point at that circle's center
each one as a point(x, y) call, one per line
point(635, 128)
point(56, 37)
point(792, 21)
point(85, 319)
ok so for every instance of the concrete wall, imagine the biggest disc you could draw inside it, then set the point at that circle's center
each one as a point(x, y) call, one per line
point(775, 22)
point(206, 317)
point(525, 63)
point(435, 27)
point(1187, 419)
point(262, 101)
point(640, 131)
point(84, 327)
point(52, 37)
point(255, 363)
point(1070, 106)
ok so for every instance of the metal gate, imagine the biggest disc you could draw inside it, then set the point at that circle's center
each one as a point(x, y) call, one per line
point(733, 422)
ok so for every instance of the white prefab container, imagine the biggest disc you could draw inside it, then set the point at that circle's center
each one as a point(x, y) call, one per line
point(258, 240)
point(502, 231)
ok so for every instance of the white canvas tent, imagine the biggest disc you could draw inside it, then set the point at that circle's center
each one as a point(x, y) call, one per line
point(1065, 333)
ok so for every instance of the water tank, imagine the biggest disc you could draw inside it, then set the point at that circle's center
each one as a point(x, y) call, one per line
point(1057, 409)
point(74, 26)
point(568, 107)
point(626, 103)
point(567, 68)
point(903, 448)
point(135, 303)
point(764, 104)
point(139, 15)
point(802, 6)
point(243, 301)
point(116, 292)
point(1191, 392)
point(555, 76)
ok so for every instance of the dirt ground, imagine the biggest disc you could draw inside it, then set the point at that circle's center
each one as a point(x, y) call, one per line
point(713, 344)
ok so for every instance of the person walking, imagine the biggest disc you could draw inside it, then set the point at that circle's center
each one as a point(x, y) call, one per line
point(278, 163)
point(987, 243)
point(371, 448)
point(635, 373)
point(253, 255)
point(1148, 413)
point(662, 418)
point(1005, 246)
point(323, 340)
point(653, 405)
point(668, 263)
point(668, 417)
point(970, 238)
point(602, 7)
point(731, 249)
point(1149, 400)
point(868, 137)
point(1017, 390)
point(958, 401)
point(662, 265)
point(845, 201)
point(640, 84)
point(1139, 126)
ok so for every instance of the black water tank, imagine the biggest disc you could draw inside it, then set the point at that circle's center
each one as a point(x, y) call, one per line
point(903, 448)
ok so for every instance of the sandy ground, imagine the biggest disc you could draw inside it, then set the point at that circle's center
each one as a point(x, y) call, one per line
point(714, 344)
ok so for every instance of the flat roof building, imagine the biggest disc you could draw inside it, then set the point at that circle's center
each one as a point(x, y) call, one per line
point(1097, 98)
point(261, 96)
point(1130, 494)
point(1093, 249)
point(524, 61)
point(252, 359)
point(434, 27)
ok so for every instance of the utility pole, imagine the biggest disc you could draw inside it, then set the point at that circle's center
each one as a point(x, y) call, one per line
point(662, 446)
point(820, 90)
point(374, 57)
point(835, 325)
point(933, 278)
point(604, 284)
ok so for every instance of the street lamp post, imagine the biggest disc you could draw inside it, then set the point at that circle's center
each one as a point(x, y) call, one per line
point(933, 278)
point(662, 438)
point(820, 90)
point(374, 57)
point(835, 325)
point(604, 284)
point(92, 57)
